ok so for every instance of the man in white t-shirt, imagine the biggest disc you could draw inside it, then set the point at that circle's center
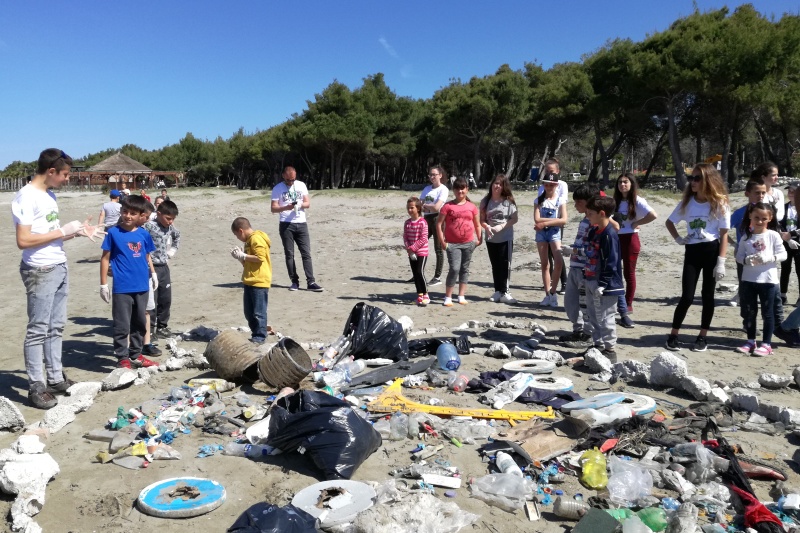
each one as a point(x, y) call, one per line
point(290, 200)
point(40, 236)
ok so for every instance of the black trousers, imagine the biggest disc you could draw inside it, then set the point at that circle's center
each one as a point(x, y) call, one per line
point(128, 314)
point(292, 233)
point(430, 218)
point(698, 258)
point(500, 257)
point(159, 317)
point(786, 268)
point(418, 270)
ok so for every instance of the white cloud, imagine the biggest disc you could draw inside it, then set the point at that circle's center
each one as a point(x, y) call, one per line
point(388, 47)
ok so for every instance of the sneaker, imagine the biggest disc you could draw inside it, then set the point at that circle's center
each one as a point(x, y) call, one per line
point(426, 299)
point(700, 344)
point(790, 337)
point(747, 348)
point(125, 363)
point(294, 287)
point(165, 332)
point(154, 336)
point(448, 302)
point(149, 349)
point(60, 387)
point(419, 299)
point(763, 350)
point(672, 343)
point(611, 354)
point(434, 281)
point(496, 296)
point(626, 322)
point(577, 339)
point(40, 398)
point(506, 298)
point(545, 301)
point(562, 289)
point(314, 287)
point(462, 300)
point(554, 300)
point(139, 362)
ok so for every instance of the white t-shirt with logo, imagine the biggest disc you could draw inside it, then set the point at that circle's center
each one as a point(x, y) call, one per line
point(642, 209)
point(791, 217)
point(286, 195)
point(432, 196)
point(775, 197)
point(39, 210)
point(769, 243)
point(701, 225)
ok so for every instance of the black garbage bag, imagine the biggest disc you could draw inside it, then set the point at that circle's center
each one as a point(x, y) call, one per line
point(267, 518)
point(334, 436)
point(425, 347)
point(375, 334)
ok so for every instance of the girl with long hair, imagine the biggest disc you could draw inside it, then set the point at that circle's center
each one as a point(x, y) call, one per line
point(433, 198)
point(498, 214)
point(549, 216)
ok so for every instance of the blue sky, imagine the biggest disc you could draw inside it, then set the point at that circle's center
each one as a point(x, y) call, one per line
point(90, 75)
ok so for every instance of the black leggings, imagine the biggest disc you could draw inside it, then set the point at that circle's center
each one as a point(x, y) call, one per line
point(786, 268)
point(700, 257)
point(430, 218)
point(418, 270)
point(500, 258)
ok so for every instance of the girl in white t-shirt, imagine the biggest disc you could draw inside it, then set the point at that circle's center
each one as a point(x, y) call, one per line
point(759, 252)
point(767, 172)
point(433, 198)
point(633, 211)
point(705, 210)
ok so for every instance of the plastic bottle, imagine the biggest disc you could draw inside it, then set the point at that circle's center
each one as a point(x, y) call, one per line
point(569, 509)
point(436, 377)
point(620, 514)
point(217, 384)
point(593, 466)
point(634, 525)
point(456, 381)
point(331, 352)
point(247, 450)
point(653, 517)
point(506, 464)
point(342, 373)
point(398, 426)
point(447, 356)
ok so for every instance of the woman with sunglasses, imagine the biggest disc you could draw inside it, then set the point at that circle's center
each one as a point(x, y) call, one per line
point(433, 198)
point(705, 210)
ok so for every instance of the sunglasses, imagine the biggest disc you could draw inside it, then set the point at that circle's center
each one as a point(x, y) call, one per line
point(433, 175)
point(696, 178)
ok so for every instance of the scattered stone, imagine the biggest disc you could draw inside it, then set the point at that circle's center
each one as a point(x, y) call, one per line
point(596, 361)
point(603, 377)
point(175, 363)
point(124, 438)
point(78, 404)
point(547, 355)
point(745, 399)
point(531, 343)
point(506, 324)
point(10, 416)
point(771, 411)
point(119, 378)
point(727, 287)
point(26, 475)
point(406, 322)
point(143, 376)
point(796, 376)
point(419, 332)
point(718, 395)
point(739, 383)
point(632, 371)
point(59, 416)
point(755, 385)
point(28, 444)
point(522, 352)
point(498, 350)
point(85, 388)
point(667, 369)
point(774, 381)
point(474, 324)
point(698, 388)
point(790, 417)
point(431, 331)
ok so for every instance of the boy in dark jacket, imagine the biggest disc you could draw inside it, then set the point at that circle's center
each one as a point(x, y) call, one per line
point(603, 273)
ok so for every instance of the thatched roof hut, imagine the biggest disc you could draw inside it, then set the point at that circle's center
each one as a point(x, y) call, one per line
point(120, 168)
point(119, 163)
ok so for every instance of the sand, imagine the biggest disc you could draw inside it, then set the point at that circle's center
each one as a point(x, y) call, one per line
point(356, 242)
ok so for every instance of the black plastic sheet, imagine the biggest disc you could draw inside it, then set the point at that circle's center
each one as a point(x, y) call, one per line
point(267, 518)
point(425, 347)
point(375, 334)
point(334, 436)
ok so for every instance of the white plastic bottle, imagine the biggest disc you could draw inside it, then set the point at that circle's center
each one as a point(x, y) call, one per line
point(506, 464)
point(247, 450)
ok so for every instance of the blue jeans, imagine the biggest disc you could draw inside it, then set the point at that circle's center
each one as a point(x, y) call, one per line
point(255, 311)
point(46, 289)
point(749, 295)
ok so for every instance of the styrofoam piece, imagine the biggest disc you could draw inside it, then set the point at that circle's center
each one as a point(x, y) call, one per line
point(595, 402)
point(153, 500)
point(436, 480)
point(359, 497)
point(28, 444)
point(639, 403)
point(556, 383)
point(530, 366)
point(258, 432)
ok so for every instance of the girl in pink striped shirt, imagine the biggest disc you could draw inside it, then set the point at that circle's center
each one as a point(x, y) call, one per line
point(415, 241)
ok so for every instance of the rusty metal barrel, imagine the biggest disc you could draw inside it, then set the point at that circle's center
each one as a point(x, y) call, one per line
point(285, 365)
point(234, 357)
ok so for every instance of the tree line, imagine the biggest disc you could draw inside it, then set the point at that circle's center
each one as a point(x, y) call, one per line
point(715, 83)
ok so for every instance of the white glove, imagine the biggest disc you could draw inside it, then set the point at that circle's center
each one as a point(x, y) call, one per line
point(171, 252)
point(600, 291)
point(681, 240)
point(237, 253)
point(719, 270)
point(793, 244)
point(70, 228)
point(498, 228)
point(105, 293)
point(154, 281)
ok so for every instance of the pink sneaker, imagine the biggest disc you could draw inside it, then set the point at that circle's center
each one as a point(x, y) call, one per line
point(747, 348)
point(763, 350)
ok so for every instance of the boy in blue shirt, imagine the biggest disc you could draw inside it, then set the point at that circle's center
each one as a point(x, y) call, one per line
point(127, 248)
point(603, 273)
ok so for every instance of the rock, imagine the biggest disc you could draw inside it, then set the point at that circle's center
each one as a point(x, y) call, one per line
point(522, 352)
point(406, 322)
point(85, 388)
point(727, 287)
point(632, 371)
point(755, 385)
point(796, 376)
point(718, 395)
point(547, 355)
point(596, 361)
point(790, 417)
point(773, 381)
point(10, 416)
point(505, 324)
point(603, 377)
point(498, 350)
point(78, 404)
point(123, 439)
point(175, 363)
point(474, 324)
point(119, 378)
point(667, 370)
point(27, 473)
point(771, 411)
point(531, 343)
point(59, 416)
point(745, 399)
point(28, 444)
point(698, 388)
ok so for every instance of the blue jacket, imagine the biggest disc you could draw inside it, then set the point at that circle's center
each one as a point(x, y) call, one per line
point(604, 263)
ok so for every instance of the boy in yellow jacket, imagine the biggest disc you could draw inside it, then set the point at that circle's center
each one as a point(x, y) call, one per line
point(256, 276)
